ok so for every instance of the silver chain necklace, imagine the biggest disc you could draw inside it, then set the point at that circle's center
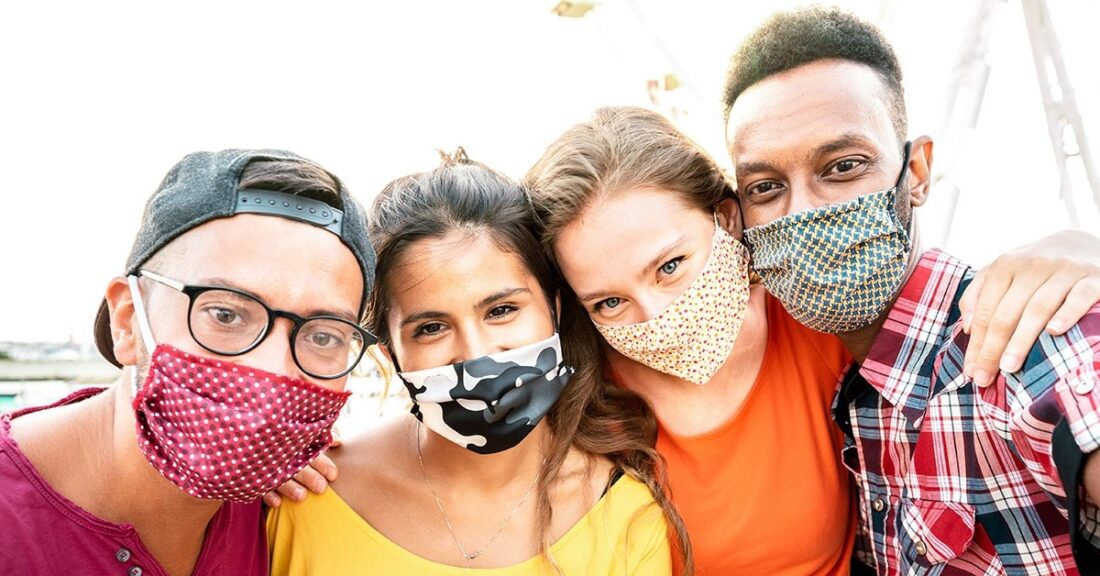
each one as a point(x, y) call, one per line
point(469, 556)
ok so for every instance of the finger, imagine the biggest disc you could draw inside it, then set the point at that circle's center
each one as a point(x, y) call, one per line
point(1002, 324)
point(327, 468)
point(966, 303)
point(985, 303)
point(272, 500)
point(337, 439)
point(312, 479)
point(293, 490)
point(1038, 313)
point(1084, 295)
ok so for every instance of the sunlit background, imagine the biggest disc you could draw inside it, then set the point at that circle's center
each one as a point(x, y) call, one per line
point(99, 99)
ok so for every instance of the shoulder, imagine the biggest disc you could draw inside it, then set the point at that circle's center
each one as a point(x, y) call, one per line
point(375, 461)
point(631, 512)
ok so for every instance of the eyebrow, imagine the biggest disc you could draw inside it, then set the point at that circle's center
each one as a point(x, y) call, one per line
point(223, 283)
point(434, 314)
point(837, 144)
point(848, 140)
point(655, 262)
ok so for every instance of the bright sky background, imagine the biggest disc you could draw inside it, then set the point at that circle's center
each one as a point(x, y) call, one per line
point(99, 99)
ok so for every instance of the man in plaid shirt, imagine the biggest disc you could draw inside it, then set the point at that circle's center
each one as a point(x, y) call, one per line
point(954, 477)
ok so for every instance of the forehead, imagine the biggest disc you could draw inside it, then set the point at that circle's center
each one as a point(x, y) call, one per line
point(455, 271)
point(287, 263)
point(803, 106)
point(630, 225)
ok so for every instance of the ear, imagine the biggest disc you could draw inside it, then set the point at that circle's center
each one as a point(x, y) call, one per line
point(729, 217)
point(920, 170)
point(124, 329)
point(557, 309)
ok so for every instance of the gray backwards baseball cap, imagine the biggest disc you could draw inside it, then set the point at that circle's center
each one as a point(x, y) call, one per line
point(204, 186)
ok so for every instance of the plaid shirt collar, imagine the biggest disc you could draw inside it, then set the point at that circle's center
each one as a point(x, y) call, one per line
point(898, 365)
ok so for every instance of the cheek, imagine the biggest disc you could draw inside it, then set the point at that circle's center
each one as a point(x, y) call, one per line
point(169, 325)
point(334, 385)
point(756, 215)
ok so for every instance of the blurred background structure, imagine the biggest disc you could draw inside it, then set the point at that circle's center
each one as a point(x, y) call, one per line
point(99, 99)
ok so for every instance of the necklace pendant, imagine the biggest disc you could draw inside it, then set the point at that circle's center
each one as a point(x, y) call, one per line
point(474, 555)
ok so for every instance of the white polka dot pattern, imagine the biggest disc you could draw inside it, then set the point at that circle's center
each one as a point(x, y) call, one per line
point(693, 336)
point(224, 431)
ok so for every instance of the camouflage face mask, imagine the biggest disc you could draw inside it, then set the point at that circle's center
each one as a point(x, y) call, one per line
point(490, 404)
point(837, 267)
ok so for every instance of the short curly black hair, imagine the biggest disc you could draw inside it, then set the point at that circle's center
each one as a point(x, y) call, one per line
point(790, 39)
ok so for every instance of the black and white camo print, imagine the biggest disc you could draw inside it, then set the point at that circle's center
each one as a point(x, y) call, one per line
point(490, 404)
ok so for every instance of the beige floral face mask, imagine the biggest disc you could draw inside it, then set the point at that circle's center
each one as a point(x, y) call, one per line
point(693, 336)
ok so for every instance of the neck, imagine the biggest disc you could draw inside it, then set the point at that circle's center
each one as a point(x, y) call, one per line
point(459, 467)
point(133, 491)
point(859, 342)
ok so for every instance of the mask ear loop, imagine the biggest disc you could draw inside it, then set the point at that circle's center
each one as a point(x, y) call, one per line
point(901, 190)
point(143, 326)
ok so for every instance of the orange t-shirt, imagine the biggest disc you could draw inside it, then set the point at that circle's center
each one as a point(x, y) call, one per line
point(766, 493)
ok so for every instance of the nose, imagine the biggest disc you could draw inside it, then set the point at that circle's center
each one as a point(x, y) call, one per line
point(472, 344)
point(651, 304)
point(274, 353)
point(800, 199)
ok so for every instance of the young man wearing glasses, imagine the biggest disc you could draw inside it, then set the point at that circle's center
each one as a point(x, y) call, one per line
point(235, 325)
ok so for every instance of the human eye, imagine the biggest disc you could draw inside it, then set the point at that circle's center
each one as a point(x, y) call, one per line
point(501, 311)
point(428, 329)
point(607, 304)
point(845, 167)
point(326, 339)
point(226, 316)
point(669, 268)
point(762, 191)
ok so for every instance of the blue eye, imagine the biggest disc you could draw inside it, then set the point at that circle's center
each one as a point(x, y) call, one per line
point(610, 303)
point(671, 266)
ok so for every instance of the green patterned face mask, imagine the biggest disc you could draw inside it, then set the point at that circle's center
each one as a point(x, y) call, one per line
point(835, 268)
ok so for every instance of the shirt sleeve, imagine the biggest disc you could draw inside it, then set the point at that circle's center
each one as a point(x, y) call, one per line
point(648, 550)
point(1053, 413)
point(279, 529)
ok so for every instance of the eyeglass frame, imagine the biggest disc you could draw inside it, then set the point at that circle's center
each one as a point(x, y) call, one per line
point(193, 291)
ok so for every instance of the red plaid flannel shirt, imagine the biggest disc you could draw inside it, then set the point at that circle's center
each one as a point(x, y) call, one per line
point(956, 479)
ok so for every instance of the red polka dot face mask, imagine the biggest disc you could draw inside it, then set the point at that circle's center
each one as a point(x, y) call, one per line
point(226, 431)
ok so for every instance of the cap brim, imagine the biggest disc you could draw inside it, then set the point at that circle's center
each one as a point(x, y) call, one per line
point(103, 339)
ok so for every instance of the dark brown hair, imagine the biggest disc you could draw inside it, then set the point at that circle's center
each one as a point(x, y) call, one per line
point(296, 177)
point(591, 415)
point(790, 39)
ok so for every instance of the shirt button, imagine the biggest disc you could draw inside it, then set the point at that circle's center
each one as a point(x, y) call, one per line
point(135, 571)
point(1084, 385)
point(123, 555)
point(878, 505)
point(921, 548)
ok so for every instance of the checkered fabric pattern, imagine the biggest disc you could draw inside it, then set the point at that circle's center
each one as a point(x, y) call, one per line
point(956, 479)
point(835, 267)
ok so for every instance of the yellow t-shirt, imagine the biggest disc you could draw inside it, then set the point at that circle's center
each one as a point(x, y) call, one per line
point(624, 534)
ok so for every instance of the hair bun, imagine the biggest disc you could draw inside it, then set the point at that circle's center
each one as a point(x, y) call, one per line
point(456, 158)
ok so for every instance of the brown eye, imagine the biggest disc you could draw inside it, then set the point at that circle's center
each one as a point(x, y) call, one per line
point(763, 188)
point(428, 329)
